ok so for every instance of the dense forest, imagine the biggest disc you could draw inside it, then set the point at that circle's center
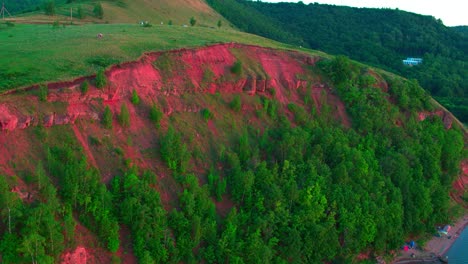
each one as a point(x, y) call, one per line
point(15, 6)
point(303, 189)
point(380, 37)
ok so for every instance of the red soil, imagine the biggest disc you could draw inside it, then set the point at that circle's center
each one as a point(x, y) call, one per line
point(78, 256)
point(460, 186)
point(85, 145)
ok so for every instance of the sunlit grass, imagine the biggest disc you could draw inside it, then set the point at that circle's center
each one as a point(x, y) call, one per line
point(40, 53)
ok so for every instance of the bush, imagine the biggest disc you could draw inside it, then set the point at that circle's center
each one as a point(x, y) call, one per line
point(124, 117)
point(84, 87)
point(236, 103)
point(147, 24)
point(237, 67)
point(43, 93)
point(193, 21)
point(107, 118)
point(155, 115)
point(101, 79)
point(206, 113)
point(135, 97)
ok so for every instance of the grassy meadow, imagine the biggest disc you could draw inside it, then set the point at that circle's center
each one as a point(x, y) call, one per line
point(33, 54)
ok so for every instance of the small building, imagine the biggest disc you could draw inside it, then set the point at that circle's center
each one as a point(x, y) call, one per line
point(412, 61)
point(445, 230)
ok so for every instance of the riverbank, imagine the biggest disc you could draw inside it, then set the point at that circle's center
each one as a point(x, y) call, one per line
point(440, 245)
point(436, 247)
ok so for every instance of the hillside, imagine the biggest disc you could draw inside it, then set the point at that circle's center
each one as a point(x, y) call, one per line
point(204, 144)
point(220, 153)
point(15, 7)
point(380, 37)
point(176, 12)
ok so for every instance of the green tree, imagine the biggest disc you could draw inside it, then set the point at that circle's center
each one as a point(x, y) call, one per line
point(237, 67)
point(219, 24)
point(124, 116)
point(107, 118)
point(236, 103)
point(84, 87)
point(207, 114)
point(135, 97)
point(101, 79)
point(49, 8)
point(98, 11)
point(155, 115)
point(193, 21)
point(43, 93)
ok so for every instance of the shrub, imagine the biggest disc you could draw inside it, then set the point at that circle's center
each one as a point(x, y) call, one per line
point(237, 67)
point(107, 118)
point(84, 87)
point(236, 103)
point(135, 97)
point(193, 21)
point(43, 93)
point(56, 24)
point(220, 23)
point(155, 115)
point(101, 79)
point(169, 23)
point(124, 117)
point(206, 113)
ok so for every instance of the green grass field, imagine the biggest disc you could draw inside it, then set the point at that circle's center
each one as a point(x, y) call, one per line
point(33, 54)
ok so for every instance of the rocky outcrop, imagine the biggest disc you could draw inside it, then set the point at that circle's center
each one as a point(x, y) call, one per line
point(199, 70)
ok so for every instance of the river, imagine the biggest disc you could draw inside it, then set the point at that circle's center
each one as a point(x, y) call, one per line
point(458, 253)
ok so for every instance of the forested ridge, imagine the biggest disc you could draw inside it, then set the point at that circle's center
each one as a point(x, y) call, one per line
point(304, 188)
point(18, 6)
point(380, 37)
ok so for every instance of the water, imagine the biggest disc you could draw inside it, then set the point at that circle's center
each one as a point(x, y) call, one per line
point(458, 253)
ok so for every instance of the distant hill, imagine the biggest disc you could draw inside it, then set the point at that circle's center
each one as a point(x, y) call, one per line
point(121, 11)
point(381, 37)
point(461, 29)
point(14, 6)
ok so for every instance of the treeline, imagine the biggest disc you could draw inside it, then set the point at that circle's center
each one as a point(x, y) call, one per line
point(380, 37)
point(23, 6)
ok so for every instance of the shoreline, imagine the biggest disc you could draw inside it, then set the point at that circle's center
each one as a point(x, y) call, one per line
point(436, 247)
point(441, 245)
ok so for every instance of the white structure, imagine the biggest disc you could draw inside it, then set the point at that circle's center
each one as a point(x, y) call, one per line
point(412, 61)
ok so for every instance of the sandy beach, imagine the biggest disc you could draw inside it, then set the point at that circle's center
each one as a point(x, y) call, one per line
point(440, 245)
point(437, 246)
